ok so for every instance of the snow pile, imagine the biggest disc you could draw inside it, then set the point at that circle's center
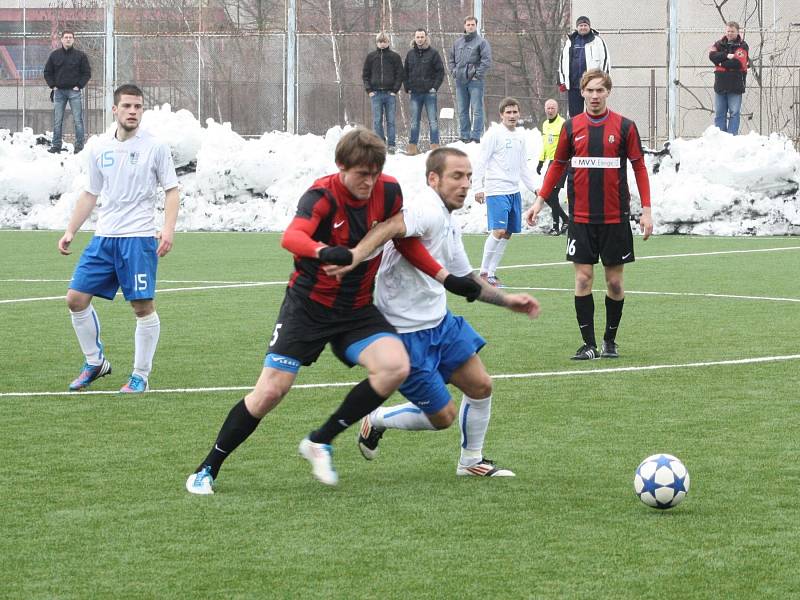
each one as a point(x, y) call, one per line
point(716, 184)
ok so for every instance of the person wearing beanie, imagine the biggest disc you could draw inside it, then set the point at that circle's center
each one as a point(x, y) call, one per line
point(583, 50)
point(383, 77)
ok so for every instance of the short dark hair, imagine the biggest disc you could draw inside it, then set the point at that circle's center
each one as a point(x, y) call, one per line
point(471, 18)
point(360, 148)
point(68, 31)
point(422, 29)
point(508, 101)
point(733, 24)
point(437, 160)
point(127, 89)
point(596, 74)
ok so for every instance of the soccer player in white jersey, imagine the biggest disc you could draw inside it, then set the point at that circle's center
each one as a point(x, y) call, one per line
point(443, 348)
point(125, 170)
point(502, 163)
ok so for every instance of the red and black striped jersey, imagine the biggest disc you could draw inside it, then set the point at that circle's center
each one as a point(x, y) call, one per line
point(597, 150)
point(331, 215)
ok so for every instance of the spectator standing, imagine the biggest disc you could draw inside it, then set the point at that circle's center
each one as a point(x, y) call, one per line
point(383, 77)
point(469, 60)
point(583, 50)
point(67, 72)
point(730, 56)
point(424, 73)
point(551, 129)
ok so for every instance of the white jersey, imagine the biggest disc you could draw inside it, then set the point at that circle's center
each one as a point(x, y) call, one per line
point(502, 162)
point(125, 176)
point(408, 298)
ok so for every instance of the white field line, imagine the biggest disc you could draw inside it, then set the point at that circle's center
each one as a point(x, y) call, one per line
point(223, 285)
point(568, 373)
point(656, 256)
point(650, 293)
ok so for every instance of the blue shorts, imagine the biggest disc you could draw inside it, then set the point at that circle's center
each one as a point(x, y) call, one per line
point(435, 353)
point(505, 212)
point(110, 263)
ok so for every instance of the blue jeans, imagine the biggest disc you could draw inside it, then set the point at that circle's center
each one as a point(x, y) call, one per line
point(384, 105)
point(416, 103)
point(470, 101)
point(726, 112)
point(60, 99)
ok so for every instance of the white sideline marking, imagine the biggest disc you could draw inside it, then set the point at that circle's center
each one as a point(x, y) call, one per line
point(646, 293)
point(714, 363)
point(655, 256)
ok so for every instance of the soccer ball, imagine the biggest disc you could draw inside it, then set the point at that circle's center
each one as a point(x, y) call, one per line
point(661, 481)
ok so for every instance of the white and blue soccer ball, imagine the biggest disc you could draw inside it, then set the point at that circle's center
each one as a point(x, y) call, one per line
point(661, 481)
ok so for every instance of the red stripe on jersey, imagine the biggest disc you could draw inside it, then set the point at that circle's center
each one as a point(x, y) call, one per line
point(327, 213)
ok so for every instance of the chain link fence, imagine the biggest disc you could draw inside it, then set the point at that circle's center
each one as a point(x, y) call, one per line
point(228, 60)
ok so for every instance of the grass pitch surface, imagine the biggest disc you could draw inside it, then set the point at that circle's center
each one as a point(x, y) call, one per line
point(93, 499)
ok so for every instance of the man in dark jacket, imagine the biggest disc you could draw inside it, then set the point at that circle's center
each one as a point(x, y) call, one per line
point(730, 58)
point(469, 61)
point(383, 77)
point(67, 72)
point(424, 73)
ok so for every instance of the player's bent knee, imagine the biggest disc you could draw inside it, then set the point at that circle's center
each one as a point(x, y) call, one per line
point(480, 389)
point(444, 418)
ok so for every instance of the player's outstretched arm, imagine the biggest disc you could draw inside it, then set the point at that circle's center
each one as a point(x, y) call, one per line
point(172, 202)
point(83, 208)
point(519, 303)
point(394, 227)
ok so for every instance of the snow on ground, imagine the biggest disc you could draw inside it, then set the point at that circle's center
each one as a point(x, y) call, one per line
point(716, 184)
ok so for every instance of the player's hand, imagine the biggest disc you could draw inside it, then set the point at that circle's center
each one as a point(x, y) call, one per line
point(166, 238)
point(64, 242)
point(463, 286)
point(480, 197)
point(523, 303)
point(530, 215)
point(335, 255)
point(562, 88)
point(646, 225)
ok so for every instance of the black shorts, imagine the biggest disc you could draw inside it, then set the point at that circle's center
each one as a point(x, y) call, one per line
point(304, 327)
point(611, 242)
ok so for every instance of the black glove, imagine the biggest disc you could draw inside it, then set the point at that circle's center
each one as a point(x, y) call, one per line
point(336, 255)
point(463, 286)
point(539, 167)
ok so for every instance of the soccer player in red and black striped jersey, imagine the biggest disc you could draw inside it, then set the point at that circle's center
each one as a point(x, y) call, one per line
point(332, 218)
point(597, 145)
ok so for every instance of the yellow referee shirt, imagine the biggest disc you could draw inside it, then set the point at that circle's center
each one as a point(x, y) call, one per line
point(550, 133)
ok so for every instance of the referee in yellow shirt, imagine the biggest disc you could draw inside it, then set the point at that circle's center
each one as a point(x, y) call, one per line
point(551, 129)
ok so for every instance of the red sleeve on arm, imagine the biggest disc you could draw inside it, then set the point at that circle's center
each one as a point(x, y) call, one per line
point(417, 254)
point(557, 166)
point(312, 208)
point(639, 168)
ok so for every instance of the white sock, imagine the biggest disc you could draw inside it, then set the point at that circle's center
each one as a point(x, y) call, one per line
point(401, 416)
point(473, 416)
point(488, 254)
point(87, 328)
point(145, 341)
point(499, 250)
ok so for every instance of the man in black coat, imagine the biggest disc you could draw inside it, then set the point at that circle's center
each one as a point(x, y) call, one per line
point(67, 72)
point(730, 58)
point(383, 77)
point(424, 73)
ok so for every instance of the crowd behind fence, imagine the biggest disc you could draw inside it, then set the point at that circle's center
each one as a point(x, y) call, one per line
point(222, 66)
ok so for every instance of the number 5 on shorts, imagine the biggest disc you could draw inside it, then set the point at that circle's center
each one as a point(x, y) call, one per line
point(141, 282)
point(275, 334)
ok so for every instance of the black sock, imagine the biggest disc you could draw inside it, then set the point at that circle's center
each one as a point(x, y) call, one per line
point(236, 429)
point(358, 403)
point(584, 310)
point(613, 317)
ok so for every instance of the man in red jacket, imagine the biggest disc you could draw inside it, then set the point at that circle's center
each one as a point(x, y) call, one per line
point(730, 58)
point(598, 144)
point(332, 218)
